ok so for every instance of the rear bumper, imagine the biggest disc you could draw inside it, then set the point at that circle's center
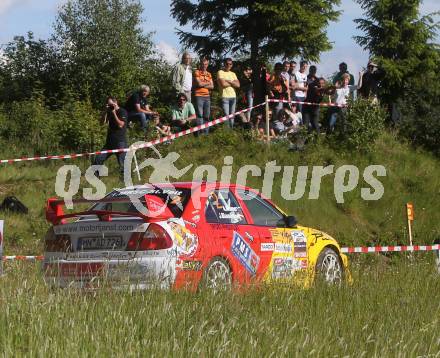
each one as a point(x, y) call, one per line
point(136, 273)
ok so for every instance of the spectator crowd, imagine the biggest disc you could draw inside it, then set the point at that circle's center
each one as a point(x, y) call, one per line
point(299, 90)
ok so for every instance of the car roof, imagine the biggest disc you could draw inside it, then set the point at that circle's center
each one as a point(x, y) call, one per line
point(183, 185)
point(196, 185)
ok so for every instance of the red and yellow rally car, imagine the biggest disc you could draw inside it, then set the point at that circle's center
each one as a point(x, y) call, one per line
point(186, 235)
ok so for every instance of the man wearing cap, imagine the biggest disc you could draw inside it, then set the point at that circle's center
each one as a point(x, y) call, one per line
point(369, 81)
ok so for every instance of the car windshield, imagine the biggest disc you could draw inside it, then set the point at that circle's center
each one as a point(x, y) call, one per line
point(176, 199)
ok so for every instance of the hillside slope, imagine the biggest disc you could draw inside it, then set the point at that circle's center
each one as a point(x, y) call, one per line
point(412, 175)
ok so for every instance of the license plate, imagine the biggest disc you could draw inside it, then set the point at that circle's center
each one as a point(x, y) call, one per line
point(100, 243)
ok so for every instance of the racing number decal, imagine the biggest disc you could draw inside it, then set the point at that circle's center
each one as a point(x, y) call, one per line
point(244, 253)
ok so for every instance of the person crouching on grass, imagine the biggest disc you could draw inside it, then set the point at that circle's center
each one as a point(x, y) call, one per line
point(116, 118)
point(261, 125)
point(183, 114)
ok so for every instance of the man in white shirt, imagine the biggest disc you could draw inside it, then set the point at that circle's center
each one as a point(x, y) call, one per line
point(343, 92)
point(182, 76)
point(187, 82)
point(285, 74)
point(301, 84)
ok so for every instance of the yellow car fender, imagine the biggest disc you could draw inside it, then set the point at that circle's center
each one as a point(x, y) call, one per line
point(313, 243)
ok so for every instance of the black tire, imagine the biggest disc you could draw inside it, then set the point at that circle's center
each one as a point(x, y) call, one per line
point(329, 268)
point(217, 276)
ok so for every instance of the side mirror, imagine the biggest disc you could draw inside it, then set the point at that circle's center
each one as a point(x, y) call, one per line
point(287, 221)
point(290, 221)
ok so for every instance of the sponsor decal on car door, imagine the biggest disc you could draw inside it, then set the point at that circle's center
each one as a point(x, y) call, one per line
point(289, 254)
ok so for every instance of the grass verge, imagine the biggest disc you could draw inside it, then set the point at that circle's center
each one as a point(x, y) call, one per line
point(390, 310)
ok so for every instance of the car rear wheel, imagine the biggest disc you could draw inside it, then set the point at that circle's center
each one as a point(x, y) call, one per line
point(217, 275)
point(329, 267)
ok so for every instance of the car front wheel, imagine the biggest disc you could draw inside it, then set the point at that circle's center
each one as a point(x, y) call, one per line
point(329, 267)
point(217, 275)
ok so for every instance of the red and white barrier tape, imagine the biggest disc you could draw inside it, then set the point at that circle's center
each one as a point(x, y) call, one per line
point(347, 250)
point(146, 145)
point(23, 258)
point(365, 250)
point(325, 104)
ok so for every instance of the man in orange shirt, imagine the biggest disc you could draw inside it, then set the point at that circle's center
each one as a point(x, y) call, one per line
point(202, 84)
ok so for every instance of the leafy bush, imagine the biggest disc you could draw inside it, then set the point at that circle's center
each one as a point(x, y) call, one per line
point(78, 127)
point(29, 122)
point(359, 125)
point(73, 127)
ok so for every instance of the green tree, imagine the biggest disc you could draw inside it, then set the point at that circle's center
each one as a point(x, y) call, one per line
point(402, 42)
point(28, 66)
point(103, 47)
point(258, 29)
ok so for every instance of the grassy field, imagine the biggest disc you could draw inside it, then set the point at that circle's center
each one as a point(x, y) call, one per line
point(392, 309)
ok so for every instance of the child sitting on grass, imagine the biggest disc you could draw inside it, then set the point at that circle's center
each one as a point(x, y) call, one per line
point(162, 129)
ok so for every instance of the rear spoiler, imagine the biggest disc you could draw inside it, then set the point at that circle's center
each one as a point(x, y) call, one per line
point(55, 213)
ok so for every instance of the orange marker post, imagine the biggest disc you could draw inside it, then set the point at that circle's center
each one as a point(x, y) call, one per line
point(410, 215)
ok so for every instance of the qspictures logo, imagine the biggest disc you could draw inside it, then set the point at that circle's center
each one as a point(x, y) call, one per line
point(296, 182)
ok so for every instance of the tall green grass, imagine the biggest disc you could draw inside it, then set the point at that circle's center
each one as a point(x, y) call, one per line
point(390, 310)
